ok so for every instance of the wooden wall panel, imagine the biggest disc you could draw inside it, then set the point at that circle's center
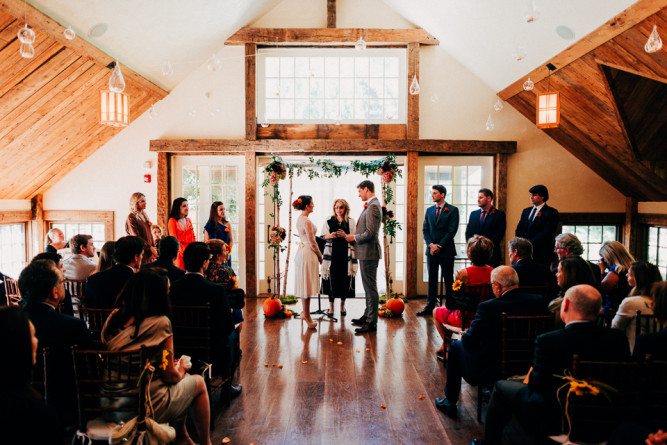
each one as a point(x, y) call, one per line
point(411, 224)
point(332, 131)
point(250, 91)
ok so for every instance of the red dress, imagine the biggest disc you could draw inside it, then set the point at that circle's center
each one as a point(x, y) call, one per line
point(476, 275)
point(184, 236)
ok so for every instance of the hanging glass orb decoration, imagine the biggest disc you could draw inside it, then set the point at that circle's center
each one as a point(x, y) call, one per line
point(489, 124)
point(152, 113)
point(26, 35)
point(116, 81)
point(654, 42)
point(167, 69)
point(69, 33)
point(498, 105)
point(360, 45)
point(414, 86)
point(213, 63)
point(27, 51)
point(530, 12)
point(528, 85)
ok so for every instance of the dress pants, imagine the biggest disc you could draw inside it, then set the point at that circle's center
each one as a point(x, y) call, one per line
point(461, 364)
point(368, 270)
point(435, 263)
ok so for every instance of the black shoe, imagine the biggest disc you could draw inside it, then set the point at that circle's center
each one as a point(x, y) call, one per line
point(343, 313)
point(359, 321)
point(235, 391)
point(447, 407)
point(367, 327)
point(428, 310)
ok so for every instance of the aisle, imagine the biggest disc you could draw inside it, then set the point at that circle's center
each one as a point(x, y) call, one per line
point(336, 396)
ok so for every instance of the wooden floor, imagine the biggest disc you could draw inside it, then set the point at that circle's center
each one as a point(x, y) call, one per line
point(337, 395)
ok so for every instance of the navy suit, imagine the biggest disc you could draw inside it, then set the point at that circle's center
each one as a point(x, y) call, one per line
point(541, 232)
point(532, 273)
point(476, 357)
point(440, 231)
point(493, 228)
point(536, 404)
point(174, 273)
point(103, 287)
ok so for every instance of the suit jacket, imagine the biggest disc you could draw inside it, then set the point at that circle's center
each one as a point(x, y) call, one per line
point(654, 344)
point(443, 230)
point(366, 242)
point(532, 273)
point(174, 273)
point(493, 228)
point(195, 290)
point(103, 287)
point(541, 232)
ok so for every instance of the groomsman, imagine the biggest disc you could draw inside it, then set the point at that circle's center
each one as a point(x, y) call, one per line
point(538, 224)
point(441, 223)
point(489, 222)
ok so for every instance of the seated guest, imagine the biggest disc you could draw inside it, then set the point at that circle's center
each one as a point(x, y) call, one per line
point(195, 290)
point(219, 271)
point(572, 271)
point(476, 357)
point(41, 286)
point(614, 257)
point(536, 404)
point(103, 287)
point(55, 241)
point(169, 247)
point(79, 266)
point(106, 256)
point(530, 272)
point(655, 343)
point(142, 320)
point(66, 306)
point(641, 277)
point(479, 251)
point(24, 417)
point(568, 244)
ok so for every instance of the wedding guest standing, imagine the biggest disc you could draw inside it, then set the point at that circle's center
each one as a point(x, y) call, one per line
point(340, 264)
point(307, 259)
point(138, 224)
point(181, 228)
point(218, 227)
point(538, 224)
point(489, 222)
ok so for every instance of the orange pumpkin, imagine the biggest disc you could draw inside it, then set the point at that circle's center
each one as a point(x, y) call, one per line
point(396, 305)
point(272, 306)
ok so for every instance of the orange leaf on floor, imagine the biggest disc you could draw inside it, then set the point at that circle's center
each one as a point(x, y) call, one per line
point(304, 361)
point(368, 349)
point(266, 364)
point(280, 366)
point(340, 342)
point(358, 350)
point(273, 364)
point(331, 339)
point(421, 396)
point(383, 406)
point(226, 440)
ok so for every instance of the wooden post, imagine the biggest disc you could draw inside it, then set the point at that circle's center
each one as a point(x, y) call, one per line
point(331, 13)
point(37, 225)
point(630, 227)
point(163, 189)
point(250, 79)
point(250, 219)
point(413, 100)
point(411, 225)
point(500, 189)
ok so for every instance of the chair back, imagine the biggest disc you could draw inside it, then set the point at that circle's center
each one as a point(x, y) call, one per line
point(192, 331)
point(595, 417)
point(76, 289)
point(12, 292)
point(95, 319)
point(518, 341)
point(645, 324)
point(104, 379)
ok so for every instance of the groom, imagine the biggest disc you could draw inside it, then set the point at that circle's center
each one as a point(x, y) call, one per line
point(367, 249)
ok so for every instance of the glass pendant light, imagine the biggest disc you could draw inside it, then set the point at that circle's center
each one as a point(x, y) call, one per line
point(530, 12)
point(654, 43)
point(27, 51)
point(213, 63)
point(528, 85)
point(152, 113)
point(489, 124)
point(498, 105)
point(116, 81)
point(69, 33)
point(360, 45)
point(167, 69)
point(26, 35)
point(414, 86)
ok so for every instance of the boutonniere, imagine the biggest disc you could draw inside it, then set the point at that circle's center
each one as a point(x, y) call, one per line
point(446, 209)
point(226, 229)
point(539, 214)
point(150, 223)
point(493, 211)
point(365, 205)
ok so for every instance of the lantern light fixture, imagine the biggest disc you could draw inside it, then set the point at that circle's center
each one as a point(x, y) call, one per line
point(548, 105)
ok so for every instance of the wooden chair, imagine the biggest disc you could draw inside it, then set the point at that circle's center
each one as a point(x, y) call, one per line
point(12, 292)
point(518, 335)
point(106, 384)
point(655, 404)
point(475, 294)
point(95, 319)
point(76, 289)
point(645, 324)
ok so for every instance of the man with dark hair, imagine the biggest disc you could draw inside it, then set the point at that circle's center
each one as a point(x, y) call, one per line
point(489, 222)
point(195, 290)
point(367, 249)
point(79, 266)
point(536, 404)
point(103, 288)
point(66, 306)
point(41, 286)
point(538, 224)
point(169, 246)
point(476, 357)
point(441, 222)
point(530, 272)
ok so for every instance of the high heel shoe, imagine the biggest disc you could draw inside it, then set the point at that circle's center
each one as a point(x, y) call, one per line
point(312, 324)
point(343, 311)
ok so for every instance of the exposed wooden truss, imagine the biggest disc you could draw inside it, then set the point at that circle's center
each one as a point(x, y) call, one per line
point(330, 36)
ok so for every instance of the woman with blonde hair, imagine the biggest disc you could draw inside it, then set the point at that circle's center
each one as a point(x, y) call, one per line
point(138, 224)
point(614, 286)
point(339, 266)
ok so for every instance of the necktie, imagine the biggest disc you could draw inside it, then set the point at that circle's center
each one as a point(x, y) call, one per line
point(532, 214)
point(482, 216)
point(437, 213)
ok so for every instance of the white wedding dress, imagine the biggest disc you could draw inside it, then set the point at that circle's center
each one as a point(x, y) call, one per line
point(306, 263)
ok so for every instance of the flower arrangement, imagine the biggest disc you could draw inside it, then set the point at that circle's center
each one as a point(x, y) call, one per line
point(276, 170)
point(387, 171)
point(234, 282)
point(456, 285)
point(276, 236)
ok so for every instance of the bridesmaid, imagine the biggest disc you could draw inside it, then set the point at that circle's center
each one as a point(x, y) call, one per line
point(218, 227)
point(138, 224)
point(180, 227)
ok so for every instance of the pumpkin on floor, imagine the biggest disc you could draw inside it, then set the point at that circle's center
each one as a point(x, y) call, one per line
point(272, 306)
point(396, 305)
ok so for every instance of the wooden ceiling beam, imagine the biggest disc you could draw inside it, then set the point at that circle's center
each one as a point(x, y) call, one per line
point(622, 22)
point(329, 36)
point(339, 146)
point(331, 13)
point(39, 21)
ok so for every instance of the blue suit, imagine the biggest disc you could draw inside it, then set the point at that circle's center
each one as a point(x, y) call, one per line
point(493, 228)
point(440, 231)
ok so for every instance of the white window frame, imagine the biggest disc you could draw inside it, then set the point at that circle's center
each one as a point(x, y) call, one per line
point(400, 53)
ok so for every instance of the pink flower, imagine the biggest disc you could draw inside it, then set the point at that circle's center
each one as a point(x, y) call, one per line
point(388, 176)
point(273, 178)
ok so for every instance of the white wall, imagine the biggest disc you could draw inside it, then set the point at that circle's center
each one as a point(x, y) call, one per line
point(107, 179)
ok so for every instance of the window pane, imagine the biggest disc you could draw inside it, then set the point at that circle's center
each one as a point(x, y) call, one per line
point(301, 108)
point(582, 233)
point(317, 66)
point(286, 108)
point(361, 88)
point(375, 109)
point(331, 67)
point(430, 176)
point(272, 88)
point(302, 88)
point(331, 87)
point(316, 109)
point(375, 88)
point(360, 67)
point(347, 67)
point(286, 88)
point(391, 88)
point(445, 175)
point(287, 67)
point(377, 66)
point(595, 234)
point(360, 109)
point(391, 109)
point(301, 67)
point(460, 175)
point(316, 88)
point(391, 66)
point(272, 65)
point(272, 109)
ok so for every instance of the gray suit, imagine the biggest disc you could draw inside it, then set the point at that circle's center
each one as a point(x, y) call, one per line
point(367, 250)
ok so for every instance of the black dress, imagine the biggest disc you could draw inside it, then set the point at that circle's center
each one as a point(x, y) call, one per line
point(340, 284)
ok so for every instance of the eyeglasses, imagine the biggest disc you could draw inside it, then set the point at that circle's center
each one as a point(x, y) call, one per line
point(340, 207)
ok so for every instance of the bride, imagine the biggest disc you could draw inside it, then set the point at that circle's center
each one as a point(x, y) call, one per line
point(308, 258)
